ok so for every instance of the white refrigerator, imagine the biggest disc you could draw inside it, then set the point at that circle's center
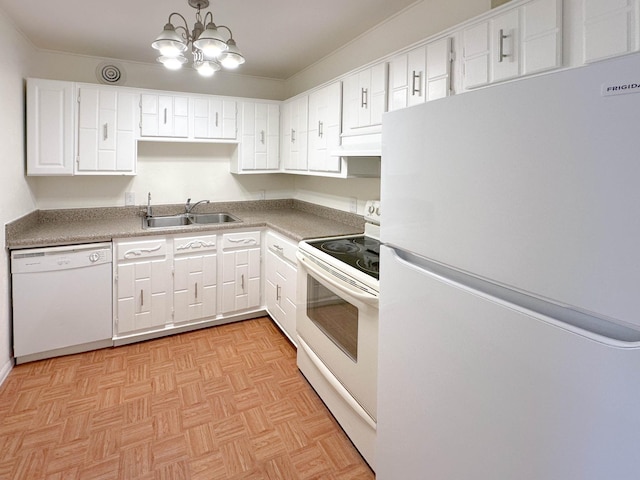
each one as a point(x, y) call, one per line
point(510, 282)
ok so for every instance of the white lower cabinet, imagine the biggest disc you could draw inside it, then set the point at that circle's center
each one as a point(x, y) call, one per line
point(142, 286)
point(194, 278)
point(240, 271)
point(280, 283)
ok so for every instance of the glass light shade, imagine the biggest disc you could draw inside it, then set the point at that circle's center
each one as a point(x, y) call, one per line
point(232, 58)
point(173, 63)
point(206, 68)
point(169, 43)
point(210, 42)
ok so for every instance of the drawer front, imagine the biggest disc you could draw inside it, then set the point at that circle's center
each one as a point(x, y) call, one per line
point(141, 249)
point(241, 240)
point(200, 243)
point(282, 247)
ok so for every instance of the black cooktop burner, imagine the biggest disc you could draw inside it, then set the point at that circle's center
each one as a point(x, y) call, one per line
point(362, 253)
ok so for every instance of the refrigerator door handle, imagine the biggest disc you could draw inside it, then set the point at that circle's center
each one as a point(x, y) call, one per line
point(580, 323)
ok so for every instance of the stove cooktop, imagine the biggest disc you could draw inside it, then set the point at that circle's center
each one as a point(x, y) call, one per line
point(361, 252)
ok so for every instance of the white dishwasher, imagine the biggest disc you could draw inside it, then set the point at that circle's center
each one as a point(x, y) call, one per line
point(62, 300)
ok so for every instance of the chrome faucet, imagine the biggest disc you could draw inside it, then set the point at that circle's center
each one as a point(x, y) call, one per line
point(188, 207)
point(149, 211)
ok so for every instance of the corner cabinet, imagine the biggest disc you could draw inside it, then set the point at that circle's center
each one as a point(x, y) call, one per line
point(259, 145)
point(141, 286)
point(280, 286)
point(241, 269)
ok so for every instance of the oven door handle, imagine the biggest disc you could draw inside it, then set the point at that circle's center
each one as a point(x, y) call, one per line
point(338, 387)
point(365, 297)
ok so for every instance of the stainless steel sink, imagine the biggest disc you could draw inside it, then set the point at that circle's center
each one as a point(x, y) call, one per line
point(182, 219)
point(212, 218)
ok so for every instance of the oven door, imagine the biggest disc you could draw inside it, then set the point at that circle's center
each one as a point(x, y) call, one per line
point(339, 322)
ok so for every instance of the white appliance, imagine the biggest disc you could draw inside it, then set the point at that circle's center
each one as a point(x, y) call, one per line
point(337, 327)
point(510, 282)
point(62, 300)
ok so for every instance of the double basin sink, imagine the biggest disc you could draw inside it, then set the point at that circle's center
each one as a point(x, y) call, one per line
point(183, 219)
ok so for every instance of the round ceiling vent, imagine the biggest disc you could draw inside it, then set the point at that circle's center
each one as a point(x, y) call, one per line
point(110, 74)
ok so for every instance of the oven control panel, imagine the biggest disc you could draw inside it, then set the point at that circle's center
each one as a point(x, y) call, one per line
point(372, 211)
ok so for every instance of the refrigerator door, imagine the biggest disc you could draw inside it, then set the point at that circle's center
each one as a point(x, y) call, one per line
point(473, 387)
point(532, 184)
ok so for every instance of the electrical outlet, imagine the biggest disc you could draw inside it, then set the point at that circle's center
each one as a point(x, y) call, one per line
point(353, 204)
point(261, 194)
point(129, 199)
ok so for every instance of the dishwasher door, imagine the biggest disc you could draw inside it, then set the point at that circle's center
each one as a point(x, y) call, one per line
point(62, 300)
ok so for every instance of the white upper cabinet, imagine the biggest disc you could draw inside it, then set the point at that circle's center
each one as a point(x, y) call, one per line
point(259, 147)
point(517, 41)
point(420, 75)
point(294, 134)
point(439, 65)
point(364, 99)
point(214, 117)
point(324, 128)
point(106, 130)
point(541, 36)
point(610, 28)
point(50, 127)
point(164, 115)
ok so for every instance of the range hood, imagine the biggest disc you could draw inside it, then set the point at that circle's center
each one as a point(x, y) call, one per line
point(363, 145)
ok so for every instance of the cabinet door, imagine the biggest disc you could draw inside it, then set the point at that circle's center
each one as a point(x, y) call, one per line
point(260, 136)
point(398, 82)
point(364, 98)
point(476, 55)
point(142, 286)
point(438, 67)
point(295, 134)
point(541, 36)
point(106, 137)
point(324, 128)
point(610, 28)
point(505, 49)
point(214, 117)
point(50, 127)
point(280, 292)
point(194, 287)
point(241, 280)
point(164, 116)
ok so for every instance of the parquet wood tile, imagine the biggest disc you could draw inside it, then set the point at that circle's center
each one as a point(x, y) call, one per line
point(226, 402)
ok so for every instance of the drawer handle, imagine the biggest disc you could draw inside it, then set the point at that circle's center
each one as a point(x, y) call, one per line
point(242, 282)
point(278, 292)
point(243, 241)
point(142, 298)
point(195, 244)
point(196, 290)
point(105, 131)
point(141, 251)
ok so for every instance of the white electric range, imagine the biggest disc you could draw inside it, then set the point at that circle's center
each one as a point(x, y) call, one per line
point(337, 326)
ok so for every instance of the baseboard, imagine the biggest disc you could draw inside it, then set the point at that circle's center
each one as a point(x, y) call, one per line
point(5, 370)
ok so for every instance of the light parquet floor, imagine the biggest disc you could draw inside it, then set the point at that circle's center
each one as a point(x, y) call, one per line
point(227, 402)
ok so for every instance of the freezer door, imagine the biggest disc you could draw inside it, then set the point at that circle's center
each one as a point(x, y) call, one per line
point(472, 387)
point(533, 184)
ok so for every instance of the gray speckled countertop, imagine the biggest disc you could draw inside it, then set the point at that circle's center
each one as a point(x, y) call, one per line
point(295, 219)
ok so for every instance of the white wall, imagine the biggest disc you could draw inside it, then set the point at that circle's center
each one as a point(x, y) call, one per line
point(172, 172)
point(415, 23)
point(15, 198)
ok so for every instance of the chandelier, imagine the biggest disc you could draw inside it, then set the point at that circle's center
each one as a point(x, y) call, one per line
point(209, 49)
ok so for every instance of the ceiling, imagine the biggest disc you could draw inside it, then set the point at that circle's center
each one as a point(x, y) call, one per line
point(277, 37)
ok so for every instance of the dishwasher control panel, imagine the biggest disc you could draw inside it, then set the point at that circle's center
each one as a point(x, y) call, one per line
point(56, 258)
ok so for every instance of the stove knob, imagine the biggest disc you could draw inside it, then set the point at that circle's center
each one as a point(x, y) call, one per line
point(378, 210)
point(371, 209)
